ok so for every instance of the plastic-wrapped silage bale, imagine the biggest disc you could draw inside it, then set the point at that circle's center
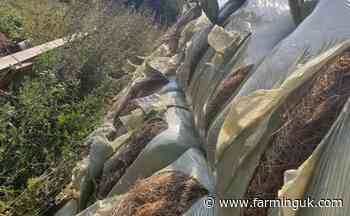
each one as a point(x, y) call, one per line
point(101, 148)
point(194, 164)
point(198, 44)
point(253, 30)
point(87, 170)
point(195, 48)
point(315, 34)
point(144, 123)
point(164, 148)
point(203, 81)
point(324, 174)
point(251, 119)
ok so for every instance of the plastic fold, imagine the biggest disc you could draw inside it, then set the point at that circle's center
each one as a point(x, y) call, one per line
point(249, 123)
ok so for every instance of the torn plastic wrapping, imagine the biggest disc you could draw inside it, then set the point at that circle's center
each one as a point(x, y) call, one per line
point(133, 120)
point(163, 149)
point(147, 70)
point(295, 186)
point(100, 149)
point(168, 96)
point(322, 174)
point(204, 85)
point(193, 28)
point(107, 129)
point(194, 164)
point(193, 53)
point(241, 143)
point(242, 120)
point(211, 9)
point(330, 177)
point(203, 81)
point(198, 44)
point(253, 30)
point(116, 144)
point(315, 34)
point(92, 167)
point(87, 170)
point(165, 65)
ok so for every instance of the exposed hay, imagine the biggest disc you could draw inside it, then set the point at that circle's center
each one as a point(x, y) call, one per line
point(305, 125)
point(128, 153)
point(224, 92)
point(142, 88)
point(166, 194)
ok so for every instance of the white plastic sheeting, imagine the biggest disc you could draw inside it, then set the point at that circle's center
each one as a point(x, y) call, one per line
point(163, 149)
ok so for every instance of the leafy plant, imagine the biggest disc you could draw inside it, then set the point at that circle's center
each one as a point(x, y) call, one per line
point(48, 115)
point(11, 24)
point(44, 125)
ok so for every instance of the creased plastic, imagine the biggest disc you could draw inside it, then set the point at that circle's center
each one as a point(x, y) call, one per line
point(242, 139)
point(162, 150)
point(194, 164)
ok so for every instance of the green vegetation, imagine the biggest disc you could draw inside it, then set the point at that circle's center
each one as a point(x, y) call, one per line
point(44, 124)
point(11, 24)
point(37, 20)
point(166, 11)
point(50, 112)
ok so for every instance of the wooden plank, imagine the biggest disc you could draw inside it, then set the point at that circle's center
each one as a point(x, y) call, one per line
point(19, 57)
point(25, 55)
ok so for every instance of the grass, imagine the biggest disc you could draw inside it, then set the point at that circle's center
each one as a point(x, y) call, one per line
point(50, 112)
